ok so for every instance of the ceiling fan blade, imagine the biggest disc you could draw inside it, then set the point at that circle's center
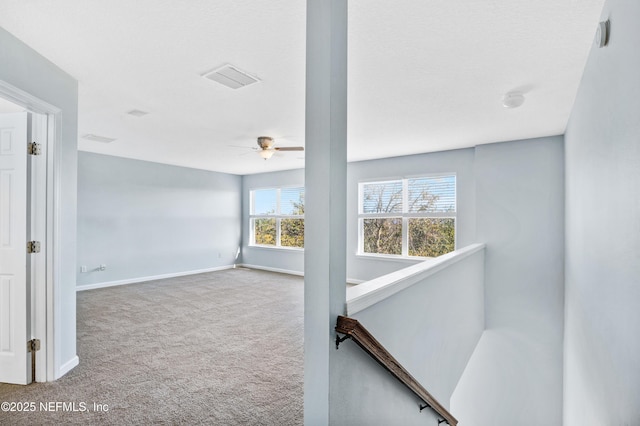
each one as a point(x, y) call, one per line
point(243, 147)
point(289, 148)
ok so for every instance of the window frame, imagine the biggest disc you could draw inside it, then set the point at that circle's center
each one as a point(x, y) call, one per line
point(277, 216)
point(405, 215)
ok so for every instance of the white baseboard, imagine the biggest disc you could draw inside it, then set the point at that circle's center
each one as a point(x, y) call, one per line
point(287, 271)
point(150, 278)
point(267, 268)
point(68, 366)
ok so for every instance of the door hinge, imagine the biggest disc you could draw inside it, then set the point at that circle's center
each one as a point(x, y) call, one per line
point(34, 148)
point(33, 345)
point(33, 247)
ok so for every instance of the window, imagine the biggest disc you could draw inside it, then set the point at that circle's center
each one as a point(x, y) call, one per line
point(277, 217)
point(408, 217)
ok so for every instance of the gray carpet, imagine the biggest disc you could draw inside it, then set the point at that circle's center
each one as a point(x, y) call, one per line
point(222, 348)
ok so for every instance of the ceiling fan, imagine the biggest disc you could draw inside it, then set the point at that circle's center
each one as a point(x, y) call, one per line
point(267, 149)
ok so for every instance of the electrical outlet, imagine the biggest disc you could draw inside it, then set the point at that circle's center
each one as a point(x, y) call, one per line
point(83, 268)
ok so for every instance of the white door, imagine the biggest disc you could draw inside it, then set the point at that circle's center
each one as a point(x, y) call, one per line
point(14, 358)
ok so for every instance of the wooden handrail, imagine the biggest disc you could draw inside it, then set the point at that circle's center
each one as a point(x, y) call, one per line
point(352, 329)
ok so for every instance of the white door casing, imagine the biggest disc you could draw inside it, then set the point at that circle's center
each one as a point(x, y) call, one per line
point(14, 358)
point(45, 226)
point(37, 230)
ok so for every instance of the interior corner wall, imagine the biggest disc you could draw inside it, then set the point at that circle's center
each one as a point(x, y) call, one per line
point(25, 69)
point(145, 220)
point(275, 259)
point(602, 323)
point(514, 376)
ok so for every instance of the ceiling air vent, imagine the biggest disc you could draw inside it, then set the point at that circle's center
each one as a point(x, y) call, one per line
point(96, 138)
point(230, 76)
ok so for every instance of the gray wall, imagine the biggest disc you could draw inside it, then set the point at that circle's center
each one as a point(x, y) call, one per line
point(26, 70)
point(515, 375)
point(431, 328)
point(145, 219)
point(286, 260)
point(602, 347)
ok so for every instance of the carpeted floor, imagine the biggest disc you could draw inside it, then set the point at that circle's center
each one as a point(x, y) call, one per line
point(222, 348)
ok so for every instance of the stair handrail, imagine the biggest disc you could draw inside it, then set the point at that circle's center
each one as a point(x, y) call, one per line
point(352, 329)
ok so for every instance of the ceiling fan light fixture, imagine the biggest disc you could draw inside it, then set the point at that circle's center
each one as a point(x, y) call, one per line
point(266, 153)
point(265, 142)
point(267, 149)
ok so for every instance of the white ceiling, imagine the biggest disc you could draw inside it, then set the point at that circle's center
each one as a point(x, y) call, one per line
point(423, 75)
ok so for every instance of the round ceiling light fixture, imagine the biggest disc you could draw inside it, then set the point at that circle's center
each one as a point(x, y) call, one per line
point(512, 100)
point(266, 153)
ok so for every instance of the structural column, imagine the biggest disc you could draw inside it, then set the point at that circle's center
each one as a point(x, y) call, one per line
point(325, 198)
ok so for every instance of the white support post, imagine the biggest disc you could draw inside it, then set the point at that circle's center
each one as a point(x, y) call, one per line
point(325, 198)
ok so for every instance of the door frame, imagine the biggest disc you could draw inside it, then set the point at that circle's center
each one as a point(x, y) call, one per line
point(48, 305)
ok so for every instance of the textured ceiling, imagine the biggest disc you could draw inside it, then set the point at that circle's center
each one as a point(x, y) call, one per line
point(423, 76)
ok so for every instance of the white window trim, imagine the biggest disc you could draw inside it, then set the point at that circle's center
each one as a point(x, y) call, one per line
point(404, 215)
point(278, 217)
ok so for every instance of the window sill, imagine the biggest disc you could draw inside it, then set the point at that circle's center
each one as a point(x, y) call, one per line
point(289, 249)
point(395, 258)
